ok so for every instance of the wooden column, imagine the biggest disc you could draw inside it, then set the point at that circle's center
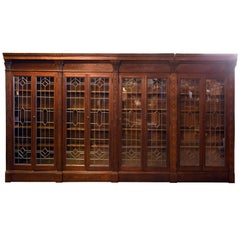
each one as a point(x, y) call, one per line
point(115, 120)
point(173, 97)
point(9, 120)
point(230, 126)
point(59, 88)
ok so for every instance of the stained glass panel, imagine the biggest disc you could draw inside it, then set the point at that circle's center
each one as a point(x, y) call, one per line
point(99, 121)
point(156, 122)
point(75, 121)
point(131, 122)
point(214, 131)
point(22, 119)
point(189, 122)
point(45, 120)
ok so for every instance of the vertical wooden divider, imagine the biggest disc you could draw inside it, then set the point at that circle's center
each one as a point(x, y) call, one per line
point(87, 122)
point(9, 118)
point(202, 118)
point(114, 120)
point(144, 123)
point(59, 88)
point(173, 98)
point(230, 129)
point(34, 120)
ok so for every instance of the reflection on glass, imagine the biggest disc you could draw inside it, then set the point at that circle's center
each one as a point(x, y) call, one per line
point(189, 122)
point(99, 122)
point(75, 121)
point(156, 122)
point(214, 131)
point(131, 122)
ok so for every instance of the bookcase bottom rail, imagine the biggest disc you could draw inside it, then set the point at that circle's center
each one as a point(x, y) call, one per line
point(111, 176)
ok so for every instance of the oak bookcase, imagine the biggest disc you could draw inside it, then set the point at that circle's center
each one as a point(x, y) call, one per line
point(120, 117)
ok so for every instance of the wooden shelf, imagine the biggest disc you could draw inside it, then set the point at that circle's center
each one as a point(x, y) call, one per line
point(19, 145)
point(44, 91)
point(44, 145)
point(156, 109)
point(82, 109)
point(22, 127)
point(75, 129)
point(75, 91)
point(156, 93)
point(99, 130)
point(45, 127)
point(75, 145)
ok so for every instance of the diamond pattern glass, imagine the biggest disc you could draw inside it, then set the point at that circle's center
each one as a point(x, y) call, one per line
point(99, 121)
point(75, 144)
point(214, 131)
point(131, 122)
point(22, 119)
point(45, 120)
point(189, 122)
point(156, 122)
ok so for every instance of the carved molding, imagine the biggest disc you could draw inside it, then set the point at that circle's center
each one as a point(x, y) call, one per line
point(59, 65)
point(8, 65)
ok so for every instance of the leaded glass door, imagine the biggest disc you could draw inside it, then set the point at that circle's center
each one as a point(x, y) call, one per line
point(74, 115)
point(157, 122)
point(215, 122)
point(144, 129)
point(22, 107)
point(189, 122)
point(45, 122)
point(201, 122)
point(34, 121)
point(87, 127)
point(132, 117)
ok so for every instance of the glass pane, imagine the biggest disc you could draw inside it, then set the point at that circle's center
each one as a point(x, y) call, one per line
point(214, 131)
point(99, 122)
point(189, 122)
point(131, 122)
point(22, 119)
point(157, 122)
point(75, 121)
point(45, 120)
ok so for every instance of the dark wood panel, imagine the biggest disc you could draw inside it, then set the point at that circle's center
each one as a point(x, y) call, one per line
point(33, 176)
point(129, 67)
point(143, 176)
point(90, 176)
point(214, 176)
point(34, 66)
point(88, 67)
point(191, 67)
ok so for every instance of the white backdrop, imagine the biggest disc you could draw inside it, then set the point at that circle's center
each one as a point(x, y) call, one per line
point(122, 210)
